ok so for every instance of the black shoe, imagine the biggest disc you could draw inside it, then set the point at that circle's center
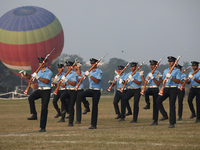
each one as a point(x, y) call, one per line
point(179, 119)
point(61, 120)
point(164, 118)
point(118, 116)
point(171, 126)
point(197, 121)
point(86, 111)
point(192, 116)
point(77, 122)
point(133, 121)
point(33, 117)
point(127, 114)
point(155, 123)
point(42, 130)
point(57, 115)
point(70, 125)
point(146, 107)
point(122, 119)
point(92, 127)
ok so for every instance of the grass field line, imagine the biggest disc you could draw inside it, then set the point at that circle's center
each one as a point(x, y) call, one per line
point(119, 143)
point(90, 142)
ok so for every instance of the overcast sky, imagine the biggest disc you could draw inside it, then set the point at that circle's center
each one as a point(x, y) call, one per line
point(133, 30)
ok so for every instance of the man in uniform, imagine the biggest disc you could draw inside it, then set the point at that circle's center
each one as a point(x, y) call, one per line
point(68, 98)
point(194, 91)
point(43, 77)
point(170, 91)
point(79, 92)
point(153, 89)
point(61, 90)
point(133, 90)
point(118, 95)
point(181, 94)
point(94, 91)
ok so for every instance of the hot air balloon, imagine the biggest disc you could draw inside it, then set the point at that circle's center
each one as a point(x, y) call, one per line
point(27, 33)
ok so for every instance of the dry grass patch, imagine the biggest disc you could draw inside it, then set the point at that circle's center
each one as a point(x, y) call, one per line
point(18, 133)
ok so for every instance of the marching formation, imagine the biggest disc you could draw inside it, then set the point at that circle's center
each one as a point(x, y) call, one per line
point(70, 90)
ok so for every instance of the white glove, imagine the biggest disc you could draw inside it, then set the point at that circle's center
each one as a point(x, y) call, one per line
point(35, 75)
point(23, 72)
point(109, 82)
point(169, 76)
point(56, 79)
point(117, 76)
point(141, 72)
point(64, 79)
point(158, 75)
point(78, 64)
point(121, 81)
point(130, 77)
point(191, 76)
point(87, 73)
point(151, 76)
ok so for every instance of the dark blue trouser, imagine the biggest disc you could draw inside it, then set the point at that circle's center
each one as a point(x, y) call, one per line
point(154, 93)
point(130, 93)
point(45, 97)
point(68, 99)
point(172, 94)
point(194, 92)
point(55, 100)
point(95, 94)
point(118, 96)
point(181, 95)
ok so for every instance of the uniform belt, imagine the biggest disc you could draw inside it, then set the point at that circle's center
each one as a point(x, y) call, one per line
point(120, 89)
point(94, 89)
point(44, 88)
point(195, 86)
point(80, 88)
point(70, 89)
point(133, 88)
point(153, 86)
point(170, 86)
point(62, 88)
point(183, 87)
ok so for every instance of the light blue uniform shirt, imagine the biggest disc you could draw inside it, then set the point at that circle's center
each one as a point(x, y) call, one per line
point(197, 76)
point(61, 75)
point(137, 77)
point(176, 74)
point(46, 74)
point(98, 75)
point(71, 77)
point(119, 86)
point(183, 76)
point(82, 83)
point(151, 82)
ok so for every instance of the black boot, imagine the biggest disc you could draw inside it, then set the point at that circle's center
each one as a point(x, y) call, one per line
point(171, 126)
point(57, 115)
point(62, 116)
point(192, 116)
point(118, 116)
point(164, 118)
point(147, 106)
point(155, 123)
point(86, 110)
point(33, 117)
point(129, 113)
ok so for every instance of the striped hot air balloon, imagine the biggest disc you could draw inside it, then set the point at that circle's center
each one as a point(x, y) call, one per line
point(27, 33)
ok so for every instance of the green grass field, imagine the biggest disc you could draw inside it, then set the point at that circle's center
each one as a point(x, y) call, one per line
point(16, 132)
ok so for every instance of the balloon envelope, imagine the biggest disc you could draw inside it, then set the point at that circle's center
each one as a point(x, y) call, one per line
point(27, 33)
